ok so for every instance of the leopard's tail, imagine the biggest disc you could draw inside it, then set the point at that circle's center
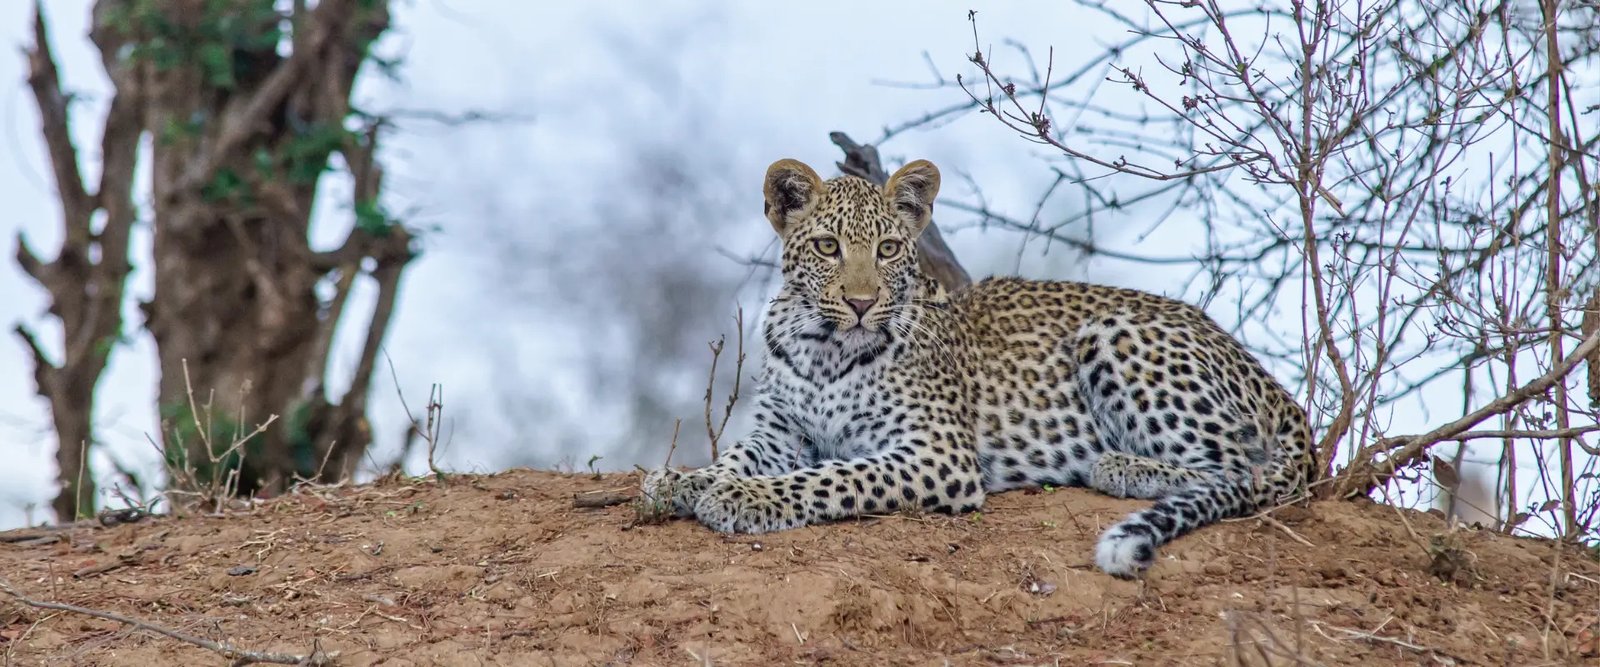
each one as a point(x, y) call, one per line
point(1129, 548)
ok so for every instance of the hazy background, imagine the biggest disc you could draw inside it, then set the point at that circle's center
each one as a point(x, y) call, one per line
point(586, 246)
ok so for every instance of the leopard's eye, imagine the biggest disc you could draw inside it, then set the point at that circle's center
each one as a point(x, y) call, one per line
point(888, 249)
point(825, 246)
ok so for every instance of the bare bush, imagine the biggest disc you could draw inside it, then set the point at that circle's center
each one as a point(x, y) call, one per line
point(1413, 181)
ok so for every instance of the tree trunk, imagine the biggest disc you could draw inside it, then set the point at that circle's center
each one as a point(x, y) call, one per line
point(243, 129)
point(71, 411)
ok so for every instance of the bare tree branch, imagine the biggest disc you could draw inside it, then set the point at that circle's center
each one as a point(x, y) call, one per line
point(1402, 169)
point(54, 115)
point(1591, 325)
point(1367, 473)
point(245, 115)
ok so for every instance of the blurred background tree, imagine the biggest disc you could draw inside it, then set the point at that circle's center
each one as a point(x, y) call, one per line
point(239, 107)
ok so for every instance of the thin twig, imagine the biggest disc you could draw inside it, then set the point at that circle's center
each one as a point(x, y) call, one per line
point(1267, 519)
point(1367, 636)
point(435, 422)
point(715, 432)
point(673, 448)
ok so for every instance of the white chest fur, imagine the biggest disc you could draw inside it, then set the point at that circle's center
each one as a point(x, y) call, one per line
point(833, 413)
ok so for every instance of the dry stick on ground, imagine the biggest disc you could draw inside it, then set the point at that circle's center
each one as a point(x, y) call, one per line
point(1367, 473)
point(1373, 636)
point(240, 656)
point(1267, 519)
point(116, 563)
point(38, 532)
point(604, 498)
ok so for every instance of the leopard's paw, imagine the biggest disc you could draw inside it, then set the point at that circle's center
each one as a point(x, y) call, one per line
point(748, 505)
point(1125, 475)
point(1111, 475)
point(674, 492)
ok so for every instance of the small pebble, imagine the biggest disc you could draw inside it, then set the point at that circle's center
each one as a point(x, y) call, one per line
point(1040, 588)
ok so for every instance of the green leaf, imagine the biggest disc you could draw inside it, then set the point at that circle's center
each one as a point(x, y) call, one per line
point(172, 132)
point(373, 219)
point(216, 63)
point(307, 153)
point(225, 184)
point(264, 161)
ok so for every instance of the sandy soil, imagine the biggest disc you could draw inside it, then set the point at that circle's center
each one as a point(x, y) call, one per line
point(503, 570)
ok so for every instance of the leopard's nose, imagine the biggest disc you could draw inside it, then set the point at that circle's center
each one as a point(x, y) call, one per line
point(861, 306)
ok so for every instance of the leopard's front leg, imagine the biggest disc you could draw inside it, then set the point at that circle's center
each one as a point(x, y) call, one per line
point(942, 478)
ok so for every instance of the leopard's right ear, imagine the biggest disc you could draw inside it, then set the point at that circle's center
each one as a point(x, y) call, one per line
point(791, 189)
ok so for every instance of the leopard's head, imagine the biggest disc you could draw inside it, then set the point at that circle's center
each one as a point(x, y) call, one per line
point(849, 246)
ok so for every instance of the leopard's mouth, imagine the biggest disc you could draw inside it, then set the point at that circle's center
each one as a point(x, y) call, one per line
point(854, 332)
point(859, 332)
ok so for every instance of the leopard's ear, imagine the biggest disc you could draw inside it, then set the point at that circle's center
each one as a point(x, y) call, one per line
point(912, 190)
point(791, 189)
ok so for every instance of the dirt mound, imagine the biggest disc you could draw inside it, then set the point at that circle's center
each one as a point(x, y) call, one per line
point(503, 569)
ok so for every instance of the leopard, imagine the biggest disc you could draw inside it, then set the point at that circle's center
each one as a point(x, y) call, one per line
point(883, 391)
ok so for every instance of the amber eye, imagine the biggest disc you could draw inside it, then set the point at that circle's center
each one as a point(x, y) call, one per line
point(827, 247)
point(888, 249)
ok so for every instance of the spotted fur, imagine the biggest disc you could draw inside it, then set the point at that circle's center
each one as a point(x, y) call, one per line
point(883, 392)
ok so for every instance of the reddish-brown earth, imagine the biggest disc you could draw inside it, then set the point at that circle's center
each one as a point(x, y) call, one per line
point(503, 570)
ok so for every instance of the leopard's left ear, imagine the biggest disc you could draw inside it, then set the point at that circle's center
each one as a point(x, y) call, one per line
point(912, 190)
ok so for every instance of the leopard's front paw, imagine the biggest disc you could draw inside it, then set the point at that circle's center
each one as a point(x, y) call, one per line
point(748, 505)
point(674, 492)
point(1129, 476)
point(1111, 475)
